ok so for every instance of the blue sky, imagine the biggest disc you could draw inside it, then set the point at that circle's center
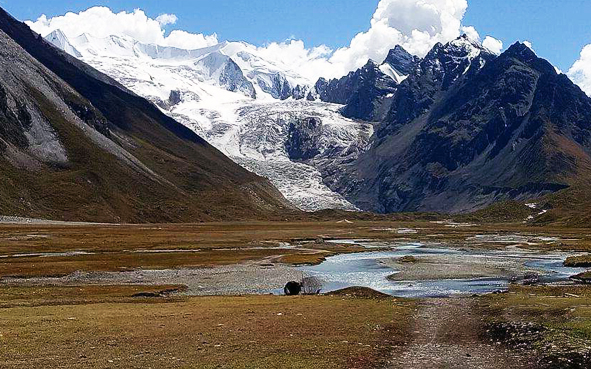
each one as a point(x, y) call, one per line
point(558, 30)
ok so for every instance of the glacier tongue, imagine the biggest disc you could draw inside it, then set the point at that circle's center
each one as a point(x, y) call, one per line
point(242, 104)
point(255, 133)
point(299, 183)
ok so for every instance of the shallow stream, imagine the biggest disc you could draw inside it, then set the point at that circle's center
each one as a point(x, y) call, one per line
point(371, 269)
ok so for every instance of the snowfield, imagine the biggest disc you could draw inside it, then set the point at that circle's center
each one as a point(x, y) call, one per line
point(250, 109)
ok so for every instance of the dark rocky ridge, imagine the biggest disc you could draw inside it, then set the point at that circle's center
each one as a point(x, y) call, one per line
point(367, 92)
point(467, 129)
point(362, 92)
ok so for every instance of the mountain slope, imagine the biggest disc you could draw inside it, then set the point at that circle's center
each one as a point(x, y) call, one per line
point(76, 145)
point(466, 129)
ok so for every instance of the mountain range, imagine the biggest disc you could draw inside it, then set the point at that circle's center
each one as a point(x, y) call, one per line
point(467, 129)
point(456, 131)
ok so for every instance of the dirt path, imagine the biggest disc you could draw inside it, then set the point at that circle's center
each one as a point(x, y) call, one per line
point(447, 335)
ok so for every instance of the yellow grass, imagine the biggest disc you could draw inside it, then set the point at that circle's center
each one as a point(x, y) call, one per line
point(209, 332)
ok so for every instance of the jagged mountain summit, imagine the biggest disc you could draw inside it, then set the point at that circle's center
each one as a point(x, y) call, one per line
point(467, 129)
point(372, 81)
point(369, 92)
point(77, 145)
point(235, 66)
point(362, 91)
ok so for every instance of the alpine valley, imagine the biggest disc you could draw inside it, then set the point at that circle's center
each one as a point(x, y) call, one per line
point(227, 207)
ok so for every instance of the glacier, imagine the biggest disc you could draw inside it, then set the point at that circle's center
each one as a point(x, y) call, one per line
point(261, 114)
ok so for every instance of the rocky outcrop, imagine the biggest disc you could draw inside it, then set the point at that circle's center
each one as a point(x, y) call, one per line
point(303, 139)
point(279, 87)
point(233, 79)
point(401, 60)
point(275, 85)
point(226, 73)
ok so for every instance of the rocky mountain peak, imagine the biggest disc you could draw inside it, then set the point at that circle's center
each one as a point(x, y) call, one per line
point(468, 128)
point(369, 66)
point(401, 60)
point(524, 54)
point(461, 47)
point(521, 50)
point(445, 64)
point(357, 90)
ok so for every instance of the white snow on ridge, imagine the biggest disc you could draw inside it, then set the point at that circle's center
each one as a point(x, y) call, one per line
point(204, 90)
point(60, 40)
point(392, 73)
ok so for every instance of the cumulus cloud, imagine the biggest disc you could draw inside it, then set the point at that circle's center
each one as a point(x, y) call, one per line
point(310, 63)
point(102, 22)
point(493, 45)
point(580, 72)
point(471, 32)
point(165, 19)
point(417, 25)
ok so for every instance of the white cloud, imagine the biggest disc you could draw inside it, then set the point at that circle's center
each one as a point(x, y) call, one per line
point(472, 33)
point(309, 63)
point(165, 19)
point(416, 25)
point(102, 22)
point(580, 72)
point(493, 45)
point(186, 40)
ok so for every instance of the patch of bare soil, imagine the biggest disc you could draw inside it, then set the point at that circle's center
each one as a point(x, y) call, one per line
point(449, 334)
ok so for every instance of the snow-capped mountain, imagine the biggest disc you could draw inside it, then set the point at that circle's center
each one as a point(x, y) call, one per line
point(235, 66)
point(251, 109)
point(454, 131)
point(78, 146)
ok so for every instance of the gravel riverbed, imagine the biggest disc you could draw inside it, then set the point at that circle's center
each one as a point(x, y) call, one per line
point(240, 279)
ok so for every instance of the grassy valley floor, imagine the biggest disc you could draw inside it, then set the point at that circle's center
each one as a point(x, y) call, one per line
point(61, 305)
point(205, 332)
